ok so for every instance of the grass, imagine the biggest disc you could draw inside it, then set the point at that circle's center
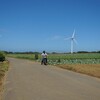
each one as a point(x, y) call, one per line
point(89, 69)
point(3, 68)
point(22, 56)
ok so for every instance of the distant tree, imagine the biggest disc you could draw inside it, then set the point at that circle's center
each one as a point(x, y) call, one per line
point(82, 52)
point(98, 51)
point(54, 52)
point(36, 52)
point(10, 52)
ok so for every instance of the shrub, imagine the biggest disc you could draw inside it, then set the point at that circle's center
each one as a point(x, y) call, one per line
point(36, 56)
point(2, 56)
point(59, 60)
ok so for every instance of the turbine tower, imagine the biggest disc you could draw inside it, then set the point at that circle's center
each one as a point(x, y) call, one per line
point(72, 38)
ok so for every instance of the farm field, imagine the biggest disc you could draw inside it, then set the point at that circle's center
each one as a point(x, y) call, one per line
point(87, 58)
point(87, 63)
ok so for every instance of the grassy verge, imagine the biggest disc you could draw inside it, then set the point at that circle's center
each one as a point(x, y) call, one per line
point(89, 69)
point(3, 68)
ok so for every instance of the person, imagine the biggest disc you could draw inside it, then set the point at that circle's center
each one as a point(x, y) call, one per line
point(44, 58)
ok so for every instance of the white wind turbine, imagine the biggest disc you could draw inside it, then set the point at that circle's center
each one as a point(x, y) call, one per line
point(72, 38)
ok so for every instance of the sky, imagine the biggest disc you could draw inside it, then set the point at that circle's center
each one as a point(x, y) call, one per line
point(37, 25)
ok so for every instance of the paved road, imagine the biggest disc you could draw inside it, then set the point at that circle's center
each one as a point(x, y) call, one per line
point(27, 80)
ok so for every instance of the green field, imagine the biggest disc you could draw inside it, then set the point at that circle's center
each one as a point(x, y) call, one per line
point(86, 58)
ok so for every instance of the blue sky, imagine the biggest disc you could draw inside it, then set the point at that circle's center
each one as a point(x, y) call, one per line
point(37, 25)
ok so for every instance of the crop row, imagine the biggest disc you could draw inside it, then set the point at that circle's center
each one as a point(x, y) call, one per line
point(72, 61)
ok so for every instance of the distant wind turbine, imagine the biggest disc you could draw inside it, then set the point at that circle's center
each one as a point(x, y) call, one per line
point(72, 38)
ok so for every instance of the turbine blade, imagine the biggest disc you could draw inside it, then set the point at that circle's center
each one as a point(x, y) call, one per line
point(67, 38)
point(75, 41)
point(73, 34)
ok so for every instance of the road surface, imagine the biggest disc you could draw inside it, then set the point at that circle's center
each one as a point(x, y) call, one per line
point(27, 80)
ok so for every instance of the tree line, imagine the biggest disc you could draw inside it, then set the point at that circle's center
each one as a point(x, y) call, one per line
point(30, 52)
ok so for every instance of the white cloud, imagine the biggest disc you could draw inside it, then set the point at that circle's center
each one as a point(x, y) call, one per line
point(56, 37)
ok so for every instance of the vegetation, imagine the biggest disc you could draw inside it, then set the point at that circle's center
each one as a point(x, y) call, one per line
point(89, 69)
point(3, 68)
point(36, 56)
point(2, 56)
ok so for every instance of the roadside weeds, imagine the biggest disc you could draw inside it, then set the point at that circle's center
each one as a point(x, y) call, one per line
point(3, 68)
point(88, 69)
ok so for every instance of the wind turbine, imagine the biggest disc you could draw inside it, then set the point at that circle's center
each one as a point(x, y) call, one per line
point(72, 38)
